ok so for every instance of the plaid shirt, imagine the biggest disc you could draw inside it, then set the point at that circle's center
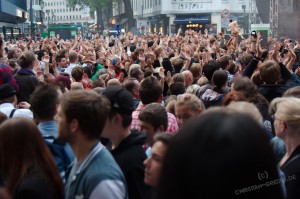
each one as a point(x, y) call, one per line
point(172, 123)
point(6, 76)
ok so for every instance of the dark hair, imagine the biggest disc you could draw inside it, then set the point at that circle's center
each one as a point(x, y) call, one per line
point(150, 90)
point(209, 68)
point(27, 58)
point(156, 115)
point(3, 117)
point(43, 101)
point(223, 61)
point(21, 148)
point(130, 84)
point(77, 73)
point(244, 85)
point(135, 73)
point(163, 137)
point(88, 108)
point(219, 79)
point(218, 149)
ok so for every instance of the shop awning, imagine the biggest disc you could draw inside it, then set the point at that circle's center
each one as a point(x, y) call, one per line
point(192, 20)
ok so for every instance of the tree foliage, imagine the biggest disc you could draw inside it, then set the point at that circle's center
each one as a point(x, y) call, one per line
point(103, 7)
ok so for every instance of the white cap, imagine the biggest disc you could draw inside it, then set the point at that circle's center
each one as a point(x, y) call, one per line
point(123, 30)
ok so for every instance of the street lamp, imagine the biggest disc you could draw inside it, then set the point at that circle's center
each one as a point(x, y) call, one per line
point(48, 14)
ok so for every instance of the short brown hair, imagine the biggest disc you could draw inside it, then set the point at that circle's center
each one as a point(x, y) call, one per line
point(26, 59)
point(150, 90)
point(156, 115)
point(88, 108)
point(269, 72)
point(77, 73)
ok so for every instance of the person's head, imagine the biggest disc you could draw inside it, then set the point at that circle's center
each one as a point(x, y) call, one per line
point(27, 60)
point(286, 115)
point(224, 62)
point(187, 106)
point(113, 82)
point(233, 96)
point(133, 86)
point(178, 64)
point(77, 73)
point(44, 101)
point(178, 77)
point(8, 94)
point(76, 86)
point(150, 90)
point(188, 78)
point(120, 115)
point(153, 119)
point(209, 68)
point(81, 111)
point(177, 88)
point(219, 79)
point(73, 58)
point(63, 82)
point(137, 73)
point(98, 83)
point(196, 70)
point(292, 92)
point(270, 72)
point(244, 85)
point(225, 150)
point(245, 60)
point(61, 61)
point(246, 108)
point(154, 162)
point(23, 148)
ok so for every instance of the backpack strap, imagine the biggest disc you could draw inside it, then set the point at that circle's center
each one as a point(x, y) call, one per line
point(12, 113)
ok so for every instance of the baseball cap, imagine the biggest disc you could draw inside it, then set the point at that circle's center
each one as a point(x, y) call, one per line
point(6, 90)
point(121, 100)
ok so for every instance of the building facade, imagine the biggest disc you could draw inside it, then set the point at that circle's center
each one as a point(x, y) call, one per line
point(12, 13)
point(58, 12)
point(167, 16)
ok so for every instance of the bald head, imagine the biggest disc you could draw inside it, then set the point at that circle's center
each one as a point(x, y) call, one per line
point(188, 78)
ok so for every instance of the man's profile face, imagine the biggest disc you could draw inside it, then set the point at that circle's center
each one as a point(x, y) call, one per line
point(62, 124)
point(149, 130)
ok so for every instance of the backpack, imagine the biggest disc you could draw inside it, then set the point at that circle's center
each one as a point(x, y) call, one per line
point(61, 158)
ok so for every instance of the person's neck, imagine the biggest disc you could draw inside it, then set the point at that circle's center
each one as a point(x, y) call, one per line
point(82, 148)
point(291, 143)
point(117, 138)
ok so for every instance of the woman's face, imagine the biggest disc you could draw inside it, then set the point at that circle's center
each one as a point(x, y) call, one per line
point(184, 113)
point(153, 164)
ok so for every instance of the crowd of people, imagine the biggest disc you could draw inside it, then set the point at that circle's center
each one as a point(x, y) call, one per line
point(191, 115)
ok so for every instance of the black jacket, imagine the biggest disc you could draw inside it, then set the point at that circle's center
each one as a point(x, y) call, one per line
point(271, 91)
point(130, 155)
point(27, 83)
point(291, 169)
point(35, 186)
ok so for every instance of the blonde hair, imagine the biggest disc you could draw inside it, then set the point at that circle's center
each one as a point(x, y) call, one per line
point(191, 101)
point(287, 109)
point(247, 108)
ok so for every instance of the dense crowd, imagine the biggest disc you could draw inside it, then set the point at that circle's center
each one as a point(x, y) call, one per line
point(192, 115)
